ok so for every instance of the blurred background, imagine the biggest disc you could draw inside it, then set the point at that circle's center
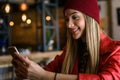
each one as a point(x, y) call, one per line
point(37, 28)
point(33, 24)
point(38, 25)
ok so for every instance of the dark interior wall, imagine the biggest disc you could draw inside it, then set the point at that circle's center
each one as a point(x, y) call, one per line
point(26, 36)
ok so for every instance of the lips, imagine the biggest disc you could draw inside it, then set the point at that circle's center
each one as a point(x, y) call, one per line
point(74, 30)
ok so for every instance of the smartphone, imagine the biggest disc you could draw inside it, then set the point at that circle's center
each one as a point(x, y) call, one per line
point(13, 51)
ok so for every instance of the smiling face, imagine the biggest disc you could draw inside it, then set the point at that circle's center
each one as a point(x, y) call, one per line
point(75, 23)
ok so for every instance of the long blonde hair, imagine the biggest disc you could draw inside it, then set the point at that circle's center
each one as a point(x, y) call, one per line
point(93, 43)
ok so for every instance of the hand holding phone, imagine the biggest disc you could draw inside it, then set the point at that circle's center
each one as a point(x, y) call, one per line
point(13, 51)
point(15, 54)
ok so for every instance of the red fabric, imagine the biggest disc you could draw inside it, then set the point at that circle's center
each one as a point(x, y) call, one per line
point(109, 67)
point(89, 7)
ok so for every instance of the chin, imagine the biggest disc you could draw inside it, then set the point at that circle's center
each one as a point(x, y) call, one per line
point(76, 37)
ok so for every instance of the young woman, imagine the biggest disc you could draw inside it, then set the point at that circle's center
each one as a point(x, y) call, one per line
point(89, 53)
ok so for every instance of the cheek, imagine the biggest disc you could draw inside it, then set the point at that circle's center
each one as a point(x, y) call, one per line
point(82, 25)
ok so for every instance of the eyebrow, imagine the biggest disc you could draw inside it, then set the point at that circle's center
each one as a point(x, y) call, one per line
point(71, 14)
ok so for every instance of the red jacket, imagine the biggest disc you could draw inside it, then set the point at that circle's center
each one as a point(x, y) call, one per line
point(109, 67)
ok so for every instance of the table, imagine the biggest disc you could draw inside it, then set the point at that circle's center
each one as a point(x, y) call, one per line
point(35, 56)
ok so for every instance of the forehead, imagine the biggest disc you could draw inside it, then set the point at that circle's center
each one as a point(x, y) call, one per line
point(69, 12)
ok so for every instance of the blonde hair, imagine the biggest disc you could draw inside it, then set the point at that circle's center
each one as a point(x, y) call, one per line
point(93, 43)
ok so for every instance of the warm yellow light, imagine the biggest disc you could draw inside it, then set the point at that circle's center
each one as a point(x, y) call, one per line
point(23, 6)
point(48, 18)
point(7, 8)
point(28, 21)
point(11, 23)
point(24, 17)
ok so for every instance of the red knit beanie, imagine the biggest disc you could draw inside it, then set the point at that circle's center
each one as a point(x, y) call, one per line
point(88, 7)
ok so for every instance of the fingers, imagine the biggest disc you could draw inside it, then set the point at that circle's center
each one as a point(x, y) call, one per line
point(21, 70)
point(14, 62)
point(21, 58)
point(20, 74)
point(21, 64)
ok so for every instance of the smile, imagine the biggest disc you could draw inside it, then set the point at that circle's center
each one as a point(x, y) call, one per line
point(75, 31)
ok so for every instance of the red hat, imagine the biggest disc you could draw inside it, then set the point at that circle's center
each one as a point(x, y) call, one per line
point(88, 7)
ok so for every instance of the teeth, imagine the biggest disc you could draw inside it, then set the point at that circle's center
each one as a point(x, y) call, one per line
point(74, 30)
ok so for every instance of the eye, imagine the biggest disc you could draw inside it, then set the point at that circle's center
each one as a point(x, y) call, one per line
point(75, 17)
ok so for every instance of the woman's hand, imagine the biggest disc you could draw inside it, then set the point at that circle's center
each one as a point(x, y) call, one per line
point(27, 69)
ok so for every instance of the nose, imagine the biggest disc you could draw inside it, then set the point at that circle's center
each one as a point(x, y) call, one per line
point(70, 24)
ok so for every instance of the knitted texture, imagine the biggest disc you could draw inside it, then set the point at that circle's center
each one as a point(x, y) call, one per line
point(88, 7)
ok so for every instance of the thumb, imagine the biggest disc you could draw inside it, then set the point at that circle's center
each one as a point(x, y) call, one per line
point(24, 59)
point(27, 60)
